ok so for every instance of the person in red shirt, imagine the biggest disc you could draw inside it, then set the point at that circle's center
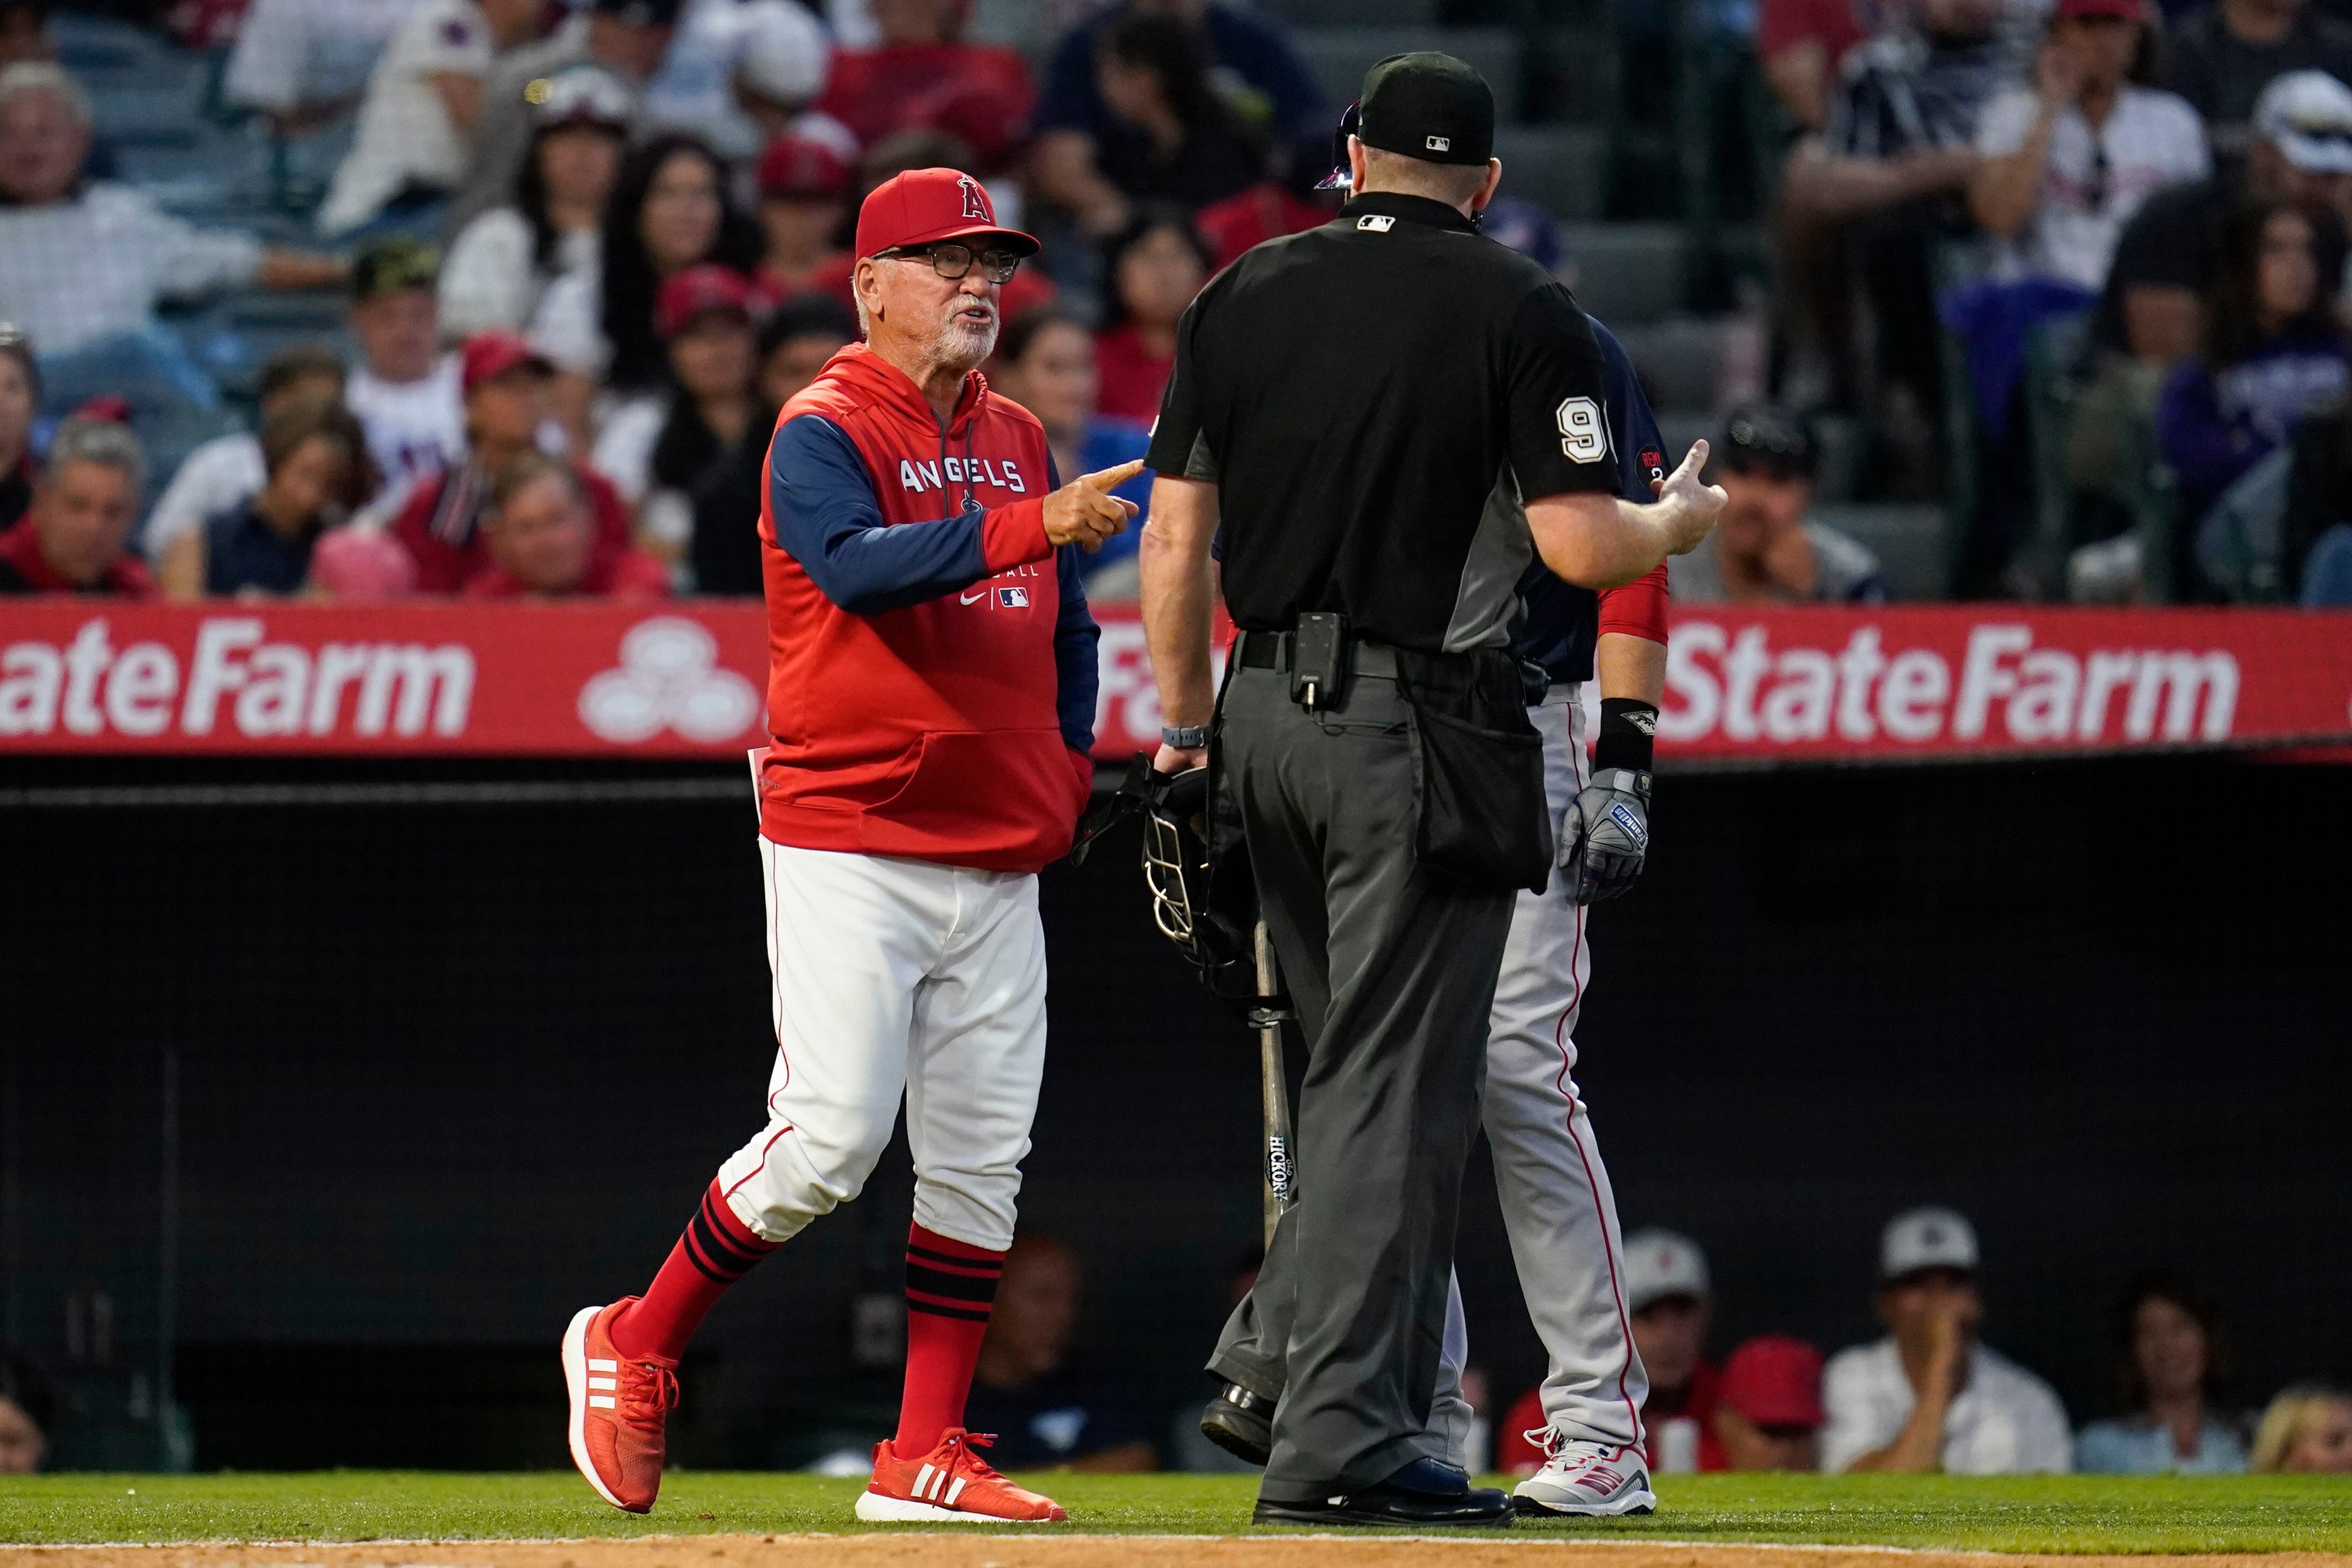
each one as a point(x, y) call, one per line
point(538, 534)
point(1802, 44)
point(73, 539)
point(510, 400)
point(1290, 203)
point(803, 201)
point(1153, 269)
point(1769, 1415)
point(923, 77)
point(1671, 1305)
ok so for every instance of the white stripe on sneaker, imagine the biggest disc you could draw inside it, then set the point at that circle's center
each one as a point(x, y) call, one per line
point(599, 1363)
point(954, 1492)
point(600, 1401)
point(605, 1383)
point(923, 1481)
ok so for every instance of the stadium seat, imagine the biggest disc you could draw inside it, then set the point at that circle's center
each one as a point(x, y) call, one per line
point(1562, 168)
point(1341, 56)
point(1908, 542)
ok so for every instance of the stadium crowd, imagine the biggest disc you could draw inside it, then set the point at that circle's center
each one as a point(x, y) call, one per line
point(2077, 265)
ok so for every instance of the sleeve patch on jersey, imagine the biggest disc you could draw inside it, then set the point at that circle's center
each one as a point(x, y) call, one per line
point(1584, 434)
point(1654, 462)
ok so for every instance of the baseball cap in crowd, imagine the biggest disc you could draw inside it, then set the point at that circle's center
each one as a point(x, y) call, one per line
point(389, 265)
point(641, 13)
point(782, 53)
point(698, 291)
point(1760, 437)
point(2121, 10)
point(1428, 106)
point(1926, 1238)
point(1662, 1264)
point(923, 206)
point(2307, 116)
point(1775, 1380)
point(584, 95)
point(801, 168)
point(487, 356)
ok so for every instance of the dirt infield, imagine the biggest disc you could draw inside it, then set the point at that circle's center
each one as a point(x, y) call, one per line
point(1008, 1551)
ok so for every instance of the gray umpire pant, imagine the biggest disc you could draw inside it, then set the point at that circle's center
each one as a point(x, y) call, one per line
point(1393, 970)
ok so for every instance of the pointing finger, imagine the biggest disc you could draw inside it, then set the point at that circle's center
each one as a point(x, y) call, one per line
point(1112, 478)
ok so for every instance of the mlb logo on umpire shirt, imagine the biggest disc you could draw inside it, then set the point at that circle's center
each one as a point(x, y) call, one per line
point(1012, 598)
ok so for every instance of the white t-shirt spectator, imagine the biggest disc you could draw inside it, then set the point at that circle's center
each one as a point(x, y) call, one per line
point(415, 429)
point(491, 279)
point(405, 135)
point(2006, 1421)
point(694, 90)
point(568, 328)
point(94, 267)
point(296, 52)
point(222, 473)
point(2092, 186)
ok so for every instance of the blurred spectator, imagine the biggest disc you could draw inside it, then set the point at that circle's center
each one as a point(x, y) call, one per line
point(738, 71)
point(669, 211)
point(1768, 1415)
point(656, 448)
point(804, 202)
point(29, 1413)
point(406, 391)
point(793, 346)
point(319, 474)
point(1765, 547)
point(304, 63)
point(1046, 362)
point(2174, 1364)
point(1166, 135)
point(361, 566)
point(1285, 203)
point(2308, 1428)
point(205, 25)
point(1249, 57)
point(2274, 352)
point(923, 77)
point(2068, 162)
point(541, 540)
point(83, 265)
point(2315, 546)
point(1672, 1304)
point(229, 470)
point(626, 38)
point(24, 32)
point(74, 538)
point(503, 263)
point(2223, 55)
point(1046, 1415)
point(1152, 270)
point(1929, 1395)
point(509, 405)
point(1802, 44)
point(416, 123)
point(20, 401)
point(1188, 1448)
point(1890, 175)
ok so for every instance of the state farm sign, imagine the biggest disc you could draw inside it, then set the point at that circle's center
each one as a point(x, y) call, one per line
point(688, 680)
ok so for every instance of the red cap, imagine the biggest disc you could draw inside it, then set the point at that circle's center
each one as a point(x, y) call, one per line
point(700, 291)
point(804, 166)
point(489, 355)
point(2124, 10)
point(922, 206)
point(1775, 1381)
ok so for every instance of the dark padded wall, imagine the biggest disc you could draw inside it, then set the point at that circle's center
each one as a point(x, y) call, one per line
point(449, 1073)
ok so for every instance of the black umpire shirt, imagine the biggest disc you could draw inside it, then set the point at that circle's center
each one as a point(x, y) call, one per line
point(1375, 400)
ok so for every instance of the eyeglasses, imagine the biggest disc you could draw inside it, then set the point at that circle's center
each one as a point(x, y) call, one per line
point(952, 261)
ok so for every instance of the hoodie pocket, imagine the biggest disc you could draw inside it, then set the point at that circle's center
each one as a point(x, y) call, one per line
point(993, 787)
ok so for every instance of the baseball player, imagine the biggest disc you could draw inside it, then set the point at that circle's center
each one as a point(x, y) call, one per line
point(931, 699)
point(1558, 1206)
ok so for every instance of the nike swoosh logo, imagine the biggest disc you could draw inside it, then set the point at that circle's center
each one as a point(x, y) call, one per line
point(971, 598)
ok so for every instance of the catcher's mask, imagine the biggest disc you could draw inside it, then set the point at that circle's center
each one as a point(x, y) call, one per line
point(1176, 870)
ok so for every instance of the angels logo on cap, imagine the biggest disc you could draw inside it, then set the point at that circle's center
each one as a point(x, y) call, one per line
point(975, 200)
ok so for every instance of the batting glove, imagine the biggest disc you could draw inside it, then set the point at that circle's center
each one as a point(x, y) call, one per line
point(1606, 835)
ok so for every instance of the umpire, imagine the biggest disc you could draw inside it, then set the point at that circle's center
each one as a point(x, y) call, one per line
point(1378, 423)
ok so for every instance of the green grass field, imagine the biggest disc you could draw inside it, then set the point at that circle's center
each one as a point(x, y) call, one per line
point(2071, 1515)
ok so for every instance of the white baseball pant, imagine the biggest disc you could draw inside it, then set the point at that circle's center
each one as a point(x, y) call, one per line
point(1557, 1208)
point(891, 977)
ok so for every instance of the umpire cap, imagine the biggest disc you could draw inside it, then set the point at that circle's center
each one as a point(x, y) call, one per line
point(1428, 106)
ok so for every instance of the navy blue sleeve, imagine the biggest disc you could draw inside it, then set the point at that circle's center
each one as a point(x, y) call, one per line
point(1262, 54)
point(1071, 101)
point(1077, 666)
point(826, 519)
point(1641, 450)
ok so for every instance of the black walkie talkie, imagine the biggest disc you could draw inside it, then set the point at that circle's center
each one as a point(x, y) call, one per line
point(1319, 660)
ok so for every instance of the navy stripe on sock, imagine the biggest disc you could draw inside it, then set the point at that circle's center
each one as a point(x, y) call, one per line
point(955, 1287)
point(987, 1265)
point(963, 1313)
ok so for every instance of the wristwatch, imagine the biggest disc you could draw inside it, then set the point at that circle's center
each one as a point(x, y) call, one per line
point(1184, 736)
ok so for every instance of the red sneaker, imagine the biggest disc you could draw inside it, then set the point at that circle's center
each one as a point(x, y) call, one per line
point(619, 1409)
point(950, 1484)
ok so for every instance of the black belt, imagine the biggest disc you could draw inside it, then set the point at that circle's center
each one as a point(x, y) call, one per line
point(1271, 651)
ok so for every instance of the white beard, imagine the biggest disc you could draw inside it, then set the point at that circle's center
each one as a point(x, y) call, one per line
point(965, 345)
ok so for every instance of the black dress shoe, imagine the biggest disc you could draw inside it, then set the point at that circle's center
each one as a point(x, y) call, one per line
point(1423, 1495)
point(1241, 1422)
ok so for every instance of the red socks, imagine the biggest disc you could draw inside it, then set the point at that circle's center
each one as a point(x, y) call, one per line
point(951, 1286)
point(715, 1250)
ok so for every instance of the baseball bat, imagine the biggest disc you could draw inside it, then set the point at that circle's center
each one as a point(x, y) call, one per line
point(1281, 1190)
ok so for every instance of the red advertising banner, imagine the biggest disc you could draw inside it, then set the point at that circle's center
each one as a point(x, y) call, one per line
point(688, 680)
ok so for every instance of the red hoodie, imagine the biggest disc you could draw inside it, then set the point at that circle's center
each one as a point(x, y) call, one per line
point(932, 669)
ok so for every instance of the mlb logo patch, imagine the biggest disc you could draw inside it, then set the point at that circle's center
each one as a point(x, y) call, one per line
point(1012, 598)
point(1439, 143)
